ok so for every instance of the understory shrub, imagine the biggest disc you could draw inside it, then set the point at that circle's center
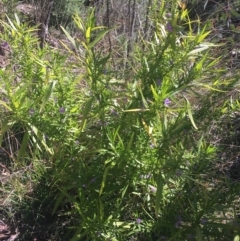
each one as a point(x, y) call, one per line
point(124, 159)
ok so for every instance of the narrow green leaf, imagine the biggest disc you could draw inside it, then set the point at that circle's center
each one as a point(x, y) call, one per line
point(47, 94)
point(79, 22)
point(198, 50)
point(189, 110)
point(199, 65)
point(98, 28)
point(155, 95)
point(5, 126)
point(88, 34)
point(165, 123)
point(23, 146)
point(121, 225)
point(236, 238)
point(41, 139)
point(85, 113)
point(159, 193)
point(104, 179)
point(5, 105)
point(130, 142)
point(66, 47)
point(136, 110)
point(199, 234)
point(99, 37)
point(68, 36)
point(211, 88)
point(101, 210)
point(17, 19)
point(124, 191)
point(234, 13)
point(11, 23)
point(69, 197)
point(58, 202)
point(77, 236)
point(202, 37)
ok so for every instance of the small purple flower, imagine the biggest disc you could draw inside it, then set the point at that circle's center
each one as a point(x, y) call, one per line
point(153, 189)
point(169, 27)
point(235, 223)
point(62, 110)
point(77, 142)
point(180, 193)
point(185, 130)
point(104, 71)
point(158, 82)
point(167, 102)
point(179, 173)
point(168, 15)
point(203, 221)
point(179, 222)
point(15, 68)
point(152, 146)
point(31, 111)
point(138, 220)
point(190, 236)
point(4, 99)
point(193, 190)
point(114, 112)
point(5, 45)
point(103, 123)
point(93, 180)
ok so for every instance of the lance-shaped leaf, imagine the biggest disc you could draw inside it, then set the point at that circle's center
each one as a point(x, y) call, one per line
point(85, 113)
point(48, 93)
point(189, 110)
point(23, 146)
point(159, 193)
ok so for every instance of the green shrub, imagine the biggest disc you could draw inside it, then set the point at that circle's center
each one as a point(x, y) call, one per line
point(130, 159)
point(149, 173)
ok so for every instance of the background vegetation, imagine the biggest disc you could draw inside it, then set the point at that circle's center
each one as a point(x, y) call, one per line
point(119, 120)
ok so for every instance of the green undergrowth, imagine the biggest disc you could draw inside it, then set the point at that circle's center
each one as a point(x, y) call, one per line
point(90, 156)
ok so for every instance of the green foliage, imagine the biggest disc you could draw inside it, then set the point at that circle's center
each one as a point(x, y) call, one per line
point(130, 159)
point(63, 10)
point(149, 153)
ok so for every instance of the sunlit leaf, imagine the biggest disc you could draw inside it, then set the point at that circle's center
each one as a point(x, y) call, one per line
point(137, 110)
point(71, 39)
point(236, 238)
point(41, 139)
point(189, 110)
point(99, 37)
